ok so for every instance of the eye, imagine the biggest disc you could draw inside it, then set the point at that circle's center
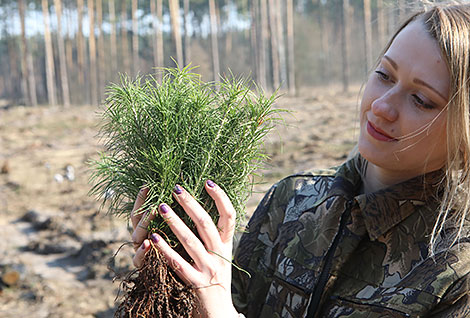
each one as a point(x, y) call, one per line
point(382, 75)
point(421, 103)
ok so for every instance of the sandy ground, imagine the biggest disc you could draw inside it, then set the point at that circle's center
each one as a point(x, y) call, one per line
point(56, 245)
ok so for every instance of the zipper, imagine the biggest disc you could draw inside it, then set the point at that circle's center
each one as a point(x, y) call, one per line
point(323, 279)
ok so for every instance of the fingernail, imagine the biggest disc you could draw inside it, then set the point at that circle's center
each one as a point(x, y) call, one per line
point(178, 189)
point(144, 244)
point(210, 183)
point(154, 237)
point(164, 208)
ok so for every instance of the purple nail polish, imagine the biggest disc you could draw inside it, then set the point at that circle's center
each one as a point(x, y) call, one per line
point(178, 189)
point(164, 208)
point(210, 183)
point(154, 237)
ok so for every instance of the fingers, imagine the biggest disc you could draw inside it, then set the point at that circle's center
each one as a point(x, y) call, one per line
point(204, 224)
point(140, 253)
point(140, 221)
point(227, 219)
point(186, 237)
point(182, 268)
point(140, 230)
point(135, 215)
point(213, 237)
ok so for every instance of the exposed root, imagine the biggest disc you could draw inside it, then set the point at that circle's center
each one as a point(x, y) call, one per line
point(156, 291)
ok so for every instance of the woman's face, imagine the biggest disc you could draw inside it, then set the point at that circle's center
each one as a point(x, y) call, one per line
point(403, 109)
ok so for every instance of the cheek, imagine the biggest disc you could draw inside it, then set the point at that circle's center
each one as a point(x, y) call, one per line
point(443, 137)
point(366, 102)
point(437, 139)
point(440, 128)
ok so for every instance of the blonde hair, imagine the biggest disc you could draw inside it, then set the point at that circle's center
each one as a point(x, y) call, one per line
point(449, 25)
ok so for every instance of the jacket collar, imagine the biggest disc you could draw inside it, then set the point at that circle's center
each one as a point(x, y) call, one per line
point(383, 209)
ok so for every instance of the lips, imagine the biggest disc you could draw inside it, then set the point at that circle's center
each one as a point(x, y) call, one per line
point(377, 133)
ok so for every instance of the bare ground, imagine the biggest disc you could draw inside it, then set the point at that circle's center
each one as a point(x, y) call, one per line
point(56, 245)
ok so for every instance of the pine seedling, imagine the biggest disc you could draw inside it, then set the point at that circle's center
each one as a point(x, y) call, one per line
point(180, 131)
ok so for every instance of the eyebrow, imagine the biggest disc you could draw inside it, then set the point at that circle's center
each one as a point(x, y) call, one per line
point(423, 83)
point(415, 80)
point(392, 62)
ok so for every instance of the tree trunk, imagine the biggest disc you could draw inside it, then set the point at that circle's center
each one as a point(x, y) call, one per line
point(381, 23)
point(228, 41)
point(325, 44)
point(124, 42)
point(392, 18)
point(176, 27)
point(263, 41)
point(93, 71)
point(274, 42)
point(31, 79)
point(100, 46)
point(244, 9)
point(135, 38)
point(13, 76)
point(62, 58)
point(113, 44)
point(345, 26)
point(155, 27)
point(229, 32)
point(71, 71)
point(24, 72)
point(187, 44)
point(81, 49)
point(159, 52)
point(14, 73)
point(281, 46)
point(254, 40)
point(290, 47)
point(50, 71)
point(24, 55)
point(157, 33)
point(401, 12)
point(367, 35)
point(214, 42)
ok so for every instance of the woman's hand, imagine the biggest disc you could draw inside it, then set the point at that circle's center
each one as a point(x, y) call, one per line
point(140, 222)
point(210, 271)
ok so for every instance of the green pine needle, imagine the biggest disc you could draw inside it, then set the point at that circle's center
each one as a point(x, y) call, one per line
point(180, 131)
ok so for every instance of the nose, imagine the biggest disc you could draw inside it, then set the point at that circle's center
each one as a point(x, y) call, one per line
point(386, 105)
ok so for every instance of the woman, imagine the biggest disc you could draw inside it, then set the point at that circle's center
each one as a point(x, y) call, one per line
point(385, 234)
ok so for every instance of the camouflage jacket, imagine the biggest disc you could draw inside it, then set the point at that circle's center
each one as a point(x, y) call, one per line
point(315, 249)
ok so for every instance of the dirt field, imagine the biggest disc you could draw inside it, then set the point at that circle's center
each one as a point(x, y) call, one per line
point(55, 245)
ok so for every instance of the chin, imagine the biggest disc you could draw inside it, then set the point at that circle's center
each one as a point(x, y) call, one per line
point(377, 157)
point(367, 150)
point(401, 163)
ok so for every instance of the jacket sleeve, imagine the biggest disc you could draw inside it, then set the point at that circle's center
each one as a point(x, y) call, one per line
point(249, 291)
point(456, 301)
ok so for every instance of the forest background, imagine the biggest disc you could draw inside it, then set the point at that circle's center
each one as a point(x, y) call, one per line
point(66, 51)
point(56, 58)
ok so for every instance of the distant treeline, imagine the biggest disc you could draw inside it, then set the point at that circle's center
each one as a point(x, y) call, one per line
point(66, 51)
